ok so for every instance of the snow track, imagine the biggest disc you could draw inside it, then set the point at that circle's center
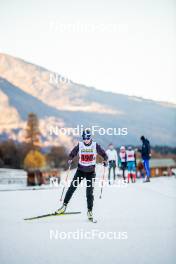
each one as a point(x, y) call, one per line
point(144, 212)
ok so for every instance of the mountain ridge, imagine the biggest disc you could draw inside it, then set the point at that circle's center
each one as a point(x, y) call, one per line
point(92, 87)
point(74, 104)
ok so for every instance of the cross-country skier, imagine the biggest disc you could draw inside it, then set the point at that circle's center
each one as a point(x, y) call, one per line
point(112, 161)
point(122, 161)
point(131, 164)
point(87, 151)
point(146, 155)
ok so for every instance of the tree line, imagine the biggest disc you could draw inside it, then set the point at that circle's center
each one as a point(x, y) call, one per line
point(30, 154)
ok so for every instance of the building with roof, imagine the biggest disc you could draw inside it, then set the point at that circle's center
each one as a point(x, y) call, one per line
point(161, 167)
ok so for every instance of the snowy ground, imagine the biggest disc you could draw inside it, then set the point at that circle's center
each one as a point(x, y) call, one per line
point(145, 213)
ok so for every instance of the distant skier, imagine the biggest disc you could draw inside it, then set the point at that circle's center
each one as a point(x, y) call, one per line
point(131, 164)
point(87, 151)
point(146, 155)
point(112, 161)
point(122, 161)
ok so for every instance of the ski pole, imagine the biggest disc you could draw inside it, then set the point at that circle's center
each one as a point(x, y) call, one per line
point(65, 181)
point(102, 183)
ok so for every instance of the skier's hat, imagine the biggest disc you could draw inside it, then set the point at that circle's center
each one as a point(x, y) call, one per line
point(142, 138)
point(86, 134)
point(122, 148)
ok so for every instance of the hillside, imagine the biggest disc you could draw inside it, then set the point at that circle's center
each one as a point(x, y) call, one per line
point(25, 87)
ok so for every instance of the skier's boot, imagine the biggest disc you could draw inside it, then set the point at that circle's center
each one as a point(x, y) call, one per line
point(90, 214)
point(62, 209)
point(147, 179)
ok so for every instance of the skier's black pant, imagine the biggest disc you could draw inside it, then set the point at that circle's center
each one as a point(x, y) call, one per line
point(80, 175)
point(123, 168)
point(112, 165)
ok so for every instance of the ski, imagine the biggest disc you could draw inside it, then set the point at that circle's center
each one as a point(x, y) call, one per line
point(49, 215)
point(92, 220)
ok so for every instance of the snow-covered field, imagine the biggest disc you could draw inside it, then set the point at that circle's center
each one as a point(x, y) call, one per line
point(142, 214)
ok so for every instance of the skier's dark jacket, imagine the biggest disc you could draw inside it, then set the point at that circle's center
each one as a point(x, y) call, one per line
point(91, 168)
point(145, 150)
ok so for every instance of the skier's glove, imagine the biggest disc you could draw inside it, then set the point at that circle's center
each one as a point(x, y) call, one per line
point(105, 163)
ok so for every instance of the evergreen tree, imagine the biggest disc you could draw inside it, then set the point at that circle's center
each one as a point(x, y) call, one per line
point(32, 130)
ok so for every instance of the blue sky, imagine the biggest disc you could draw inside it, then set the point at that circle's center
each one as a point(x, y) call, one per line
point(120, 46)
